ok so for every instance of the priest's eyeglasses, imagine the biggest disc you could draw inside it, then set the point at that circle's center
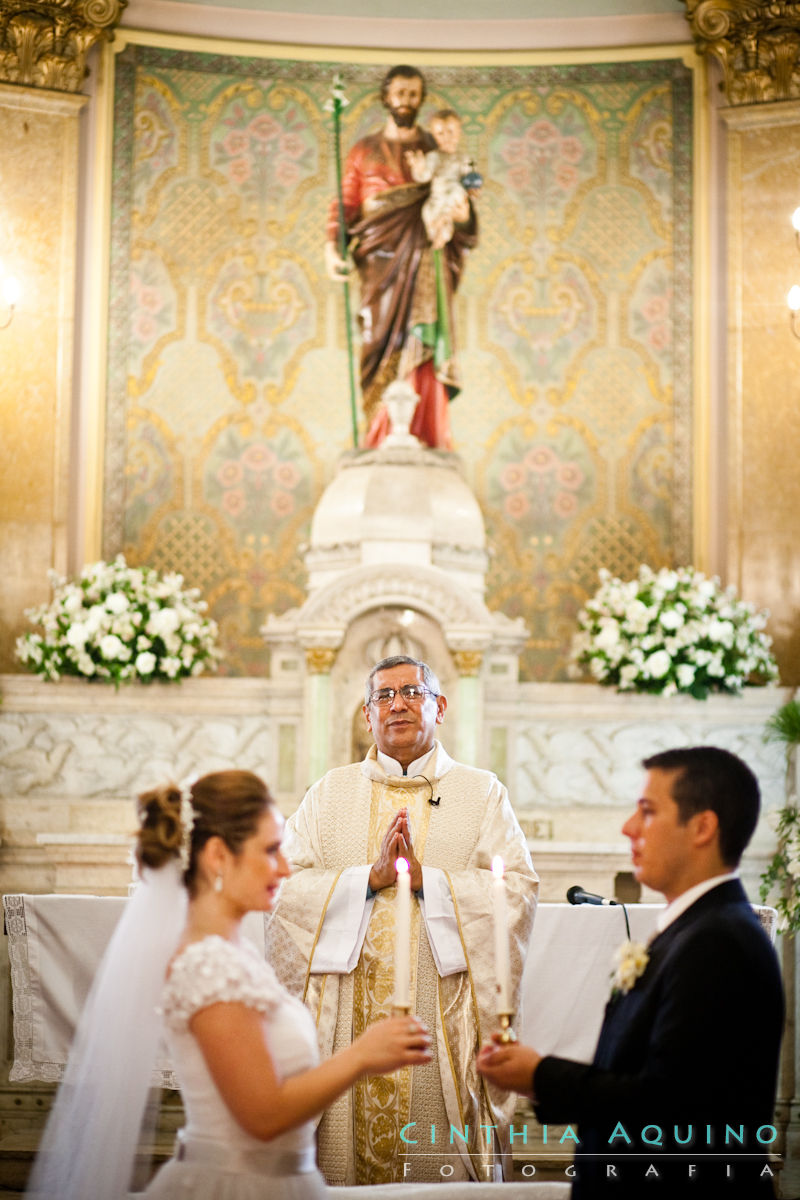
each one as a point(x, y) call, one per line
point(412, 693)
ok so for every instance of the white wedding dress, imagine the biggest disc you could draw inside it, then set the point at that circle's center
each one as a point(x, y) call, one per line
point(215, 1158)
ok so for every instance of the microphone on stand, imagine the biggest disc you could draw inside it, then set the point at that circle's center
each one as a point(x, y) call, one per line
point(576, 895)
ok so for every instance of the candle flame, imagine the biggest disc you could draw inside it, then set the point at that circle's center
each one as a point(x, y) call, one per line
point(401, 865)
point(498, 867)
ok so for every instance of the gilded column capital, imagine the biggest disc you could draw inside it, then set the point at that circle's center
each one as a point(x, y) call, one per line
point(45, 43)
point(320, 659)
point(468, 662)
point(756, 42)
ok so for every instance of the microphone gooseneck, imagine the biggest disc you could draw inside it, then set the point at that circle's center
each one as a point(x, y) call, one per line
point(577, 895)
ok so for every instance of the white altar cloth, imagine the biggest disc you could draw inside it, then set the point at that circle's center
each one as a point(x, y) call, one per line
point(567, 976)
point(55, 943)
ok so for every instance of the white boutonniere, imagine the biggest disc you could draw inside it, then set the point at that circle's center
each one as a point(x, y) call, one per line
point(630, 961)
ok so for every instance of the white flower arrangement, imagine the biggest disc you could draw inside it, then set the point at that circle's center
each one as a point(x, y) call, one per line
point(630, 961)
point(119, 623)
point(671, 631)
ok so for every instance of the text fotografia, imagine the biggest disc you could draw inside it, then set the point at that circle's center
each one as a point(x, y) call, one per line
point(673, 1138)
point(694, 1172)
point(719, 1149)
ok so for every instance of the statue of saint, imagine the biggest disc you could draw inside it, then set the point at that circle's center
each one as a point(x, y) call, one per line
point(407, 286)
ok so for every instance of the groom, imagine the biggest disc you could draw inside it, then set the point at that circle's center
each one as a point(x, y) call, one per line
point(679, 1099)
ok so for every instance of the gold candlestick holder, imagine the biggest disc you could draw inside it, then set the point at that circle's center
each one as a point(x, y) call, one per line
point(507, 1034)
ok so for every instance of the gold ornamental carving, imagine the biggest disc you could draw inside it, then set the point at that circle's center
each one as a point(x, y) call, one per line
point(320, 659)
point(468, 662)
point(756, 42)
point(45, 43)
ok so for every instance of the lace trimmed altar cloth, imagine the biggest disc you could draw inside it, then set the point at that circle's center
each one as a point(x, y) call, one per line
point(55, 943)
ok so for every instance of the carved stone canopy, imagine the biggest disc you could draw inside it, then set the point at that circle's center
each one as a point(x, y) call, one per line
point(321, 623)
point(756, 42)
point(45, 43)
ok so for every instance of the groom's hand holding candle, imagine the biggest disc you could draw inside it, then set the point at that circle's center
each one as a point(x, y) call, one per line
point(509, 1066)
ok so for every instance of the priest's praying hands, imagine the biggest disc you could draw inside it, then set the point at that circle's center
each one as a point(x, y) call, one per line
point(396, 844)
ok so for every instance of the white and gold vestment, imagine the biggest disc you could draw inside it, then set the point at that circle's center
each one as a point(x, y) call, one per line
point(333, 946)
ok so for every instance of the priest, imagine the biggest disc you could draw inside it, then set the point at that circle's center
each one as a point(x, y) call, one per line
point(332, 936)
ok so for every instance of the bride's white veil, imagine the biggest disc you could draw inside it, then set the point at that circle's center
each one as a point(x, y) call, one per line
point(90, 1141)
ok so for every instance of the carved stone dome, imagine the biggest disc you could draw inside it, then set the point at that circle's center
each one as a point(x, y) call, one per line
point(402, 505)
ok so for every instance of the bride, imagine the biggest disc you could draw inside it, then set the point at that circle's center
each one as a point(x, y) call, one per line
point(244, 1050)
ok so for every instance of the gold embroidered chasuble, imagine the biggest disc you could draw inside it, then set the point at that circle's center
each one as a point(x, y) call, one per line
point(382, 1104)
point(340, 824)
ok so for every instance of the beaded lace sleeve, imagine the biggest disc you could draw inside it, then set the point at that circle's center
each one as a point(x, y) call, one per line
point(216, 971)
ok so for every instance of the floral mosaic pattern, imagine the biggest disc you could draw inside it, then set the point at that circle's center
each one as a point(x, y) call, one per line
point(250, 480)
point(257, 311)
point(153, 310)
point(542, 158)
point(227, 389)
point(651, 314)
point(542, 319)
point(156, 142)
point(651, 153)
point(262, 151)
point(541, 486)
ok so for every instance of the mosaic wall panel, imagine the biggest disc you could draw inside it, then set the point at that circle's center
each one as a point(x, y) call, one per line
point(228, 382)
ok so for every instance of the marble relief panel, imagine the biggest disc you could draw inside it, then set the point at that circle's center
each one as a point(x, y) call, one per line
point(59, 756)
point(599, 766)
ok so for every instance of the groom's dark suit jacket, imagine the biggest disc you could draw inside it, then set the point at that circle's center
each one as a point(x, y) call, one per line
point(693, 1044)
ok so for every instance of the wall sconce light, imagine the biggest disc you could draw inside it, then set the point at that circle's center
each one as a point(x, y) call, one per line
point(10, 292)
point(793, 296)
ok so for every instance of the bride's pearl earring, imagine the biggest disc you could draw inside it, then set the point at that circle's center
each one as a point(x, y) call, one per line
point(218, 883)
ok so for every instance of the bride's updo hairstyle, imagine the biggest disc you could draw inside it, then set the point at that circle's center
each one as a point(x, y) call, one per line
point(225, 804)
point(160, 830)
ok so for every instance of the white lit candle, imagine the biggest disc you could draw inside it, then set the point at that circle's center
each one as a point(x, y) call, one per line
point(402, 937)
point(502, 961)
